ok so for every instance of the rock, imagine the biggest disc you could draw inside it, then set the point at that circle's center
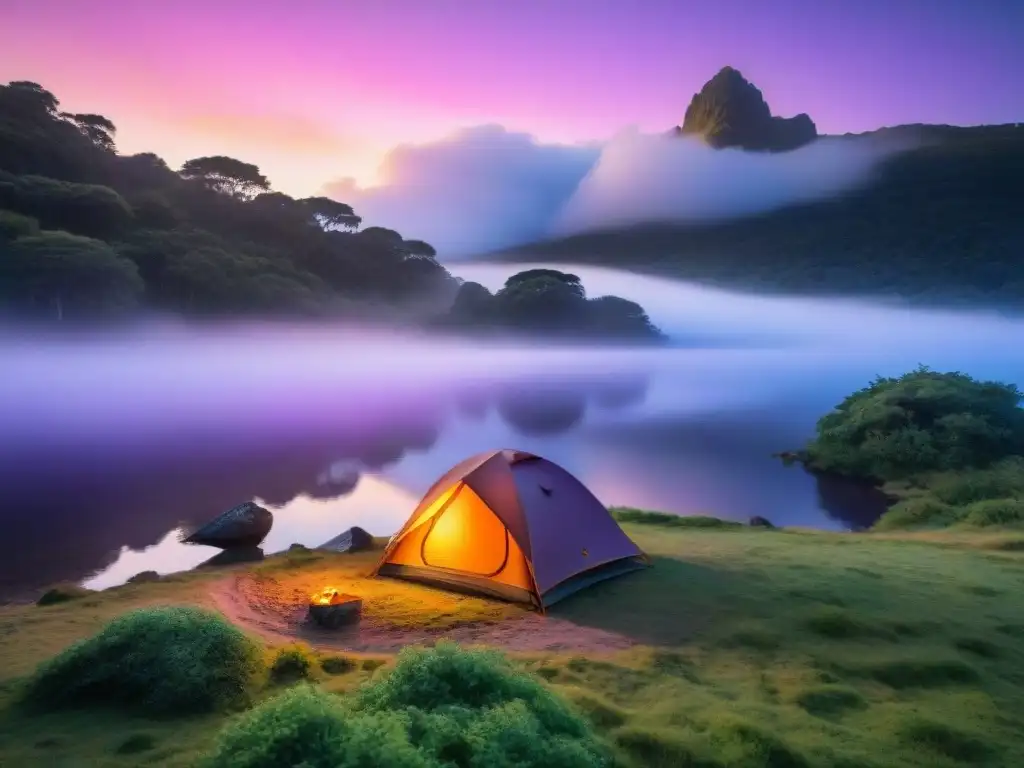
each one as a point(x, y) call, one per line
point(243, 526)
point(232, 556)
point(143, 577)
point(760, 522)
point(730, 111)
point(352, 540)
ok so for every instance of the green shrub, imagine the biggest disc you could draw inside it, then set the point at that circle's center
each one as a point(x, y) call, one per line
point(437, 708)
point(1002, 480)
point(995, 512)
point(311, 728)
point(163, 660)
point(61, 593)
point(291, 663)
point(923, 421)
point(337, 665)
point(918, 512)
point(642, 516)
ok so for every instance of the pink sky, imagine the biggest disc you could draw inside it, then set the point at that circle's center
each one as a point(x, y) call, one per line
point(312, 90)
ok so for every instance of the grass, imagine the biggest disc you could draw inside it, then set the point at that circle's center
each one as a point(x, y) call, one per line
point(979, 498)
point(784, 648)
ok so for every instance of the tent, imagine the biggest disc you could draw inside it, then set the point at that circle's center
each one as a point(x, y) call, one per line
point(511, 525)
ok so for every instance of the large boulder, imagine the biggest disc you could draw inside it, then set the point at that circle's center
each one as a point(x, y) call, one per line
point(243, 526)
point(730, 111)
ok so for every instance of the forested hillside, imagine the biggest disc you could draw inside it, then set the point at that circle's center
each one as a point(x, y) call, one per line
point(86, 232)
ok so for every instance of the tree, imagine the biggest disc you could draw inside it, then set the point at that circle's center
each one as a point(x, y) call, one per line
point(226, 175)
point(96, 128)
point(419, 248)
point(473, 303)
point(923, 421)
point(25, 100)
point(571, 280)
point(330, 214)
point(383, 236)
point(541, 302)
point(62, 275)
point(143, 172)
point(615, 316)
point(83, 209)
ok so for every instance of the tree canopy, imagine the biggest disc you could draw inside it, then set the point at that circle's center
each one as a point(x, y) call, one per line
point(87, 231)
point(923, 421)
point(213, 237)
point(553, 303)
point(227, 175)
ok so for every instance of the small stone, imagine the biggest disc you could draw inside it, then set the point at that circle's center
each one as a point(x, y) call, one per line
point(353, 540)
point(143, 577)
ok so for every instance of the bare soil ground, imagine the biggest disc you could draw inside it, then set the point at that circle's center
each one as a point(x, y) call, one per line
point(275, 608)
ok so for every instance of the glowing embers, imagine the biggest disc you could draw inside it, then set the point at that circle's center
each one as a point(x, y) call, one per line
point(331, 609)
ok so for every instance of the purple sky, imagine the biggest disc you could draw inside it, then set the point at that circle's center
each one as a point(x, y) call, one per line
point(309, 87)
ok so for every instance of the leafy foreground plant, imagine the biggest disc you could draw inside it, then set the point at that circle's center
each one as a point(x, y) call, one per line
point(439, 707)
point(167, 660)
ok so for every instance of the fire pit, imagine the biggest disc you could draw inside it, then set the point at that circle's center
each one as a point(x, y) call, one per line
point(330, 608)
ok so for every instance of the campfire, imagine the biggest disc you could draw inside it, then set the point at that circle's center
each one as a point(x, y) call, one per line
point(331, 608)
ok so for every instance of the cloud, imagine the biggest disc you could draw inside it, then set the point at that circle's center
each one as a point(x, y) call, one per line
point(293, 133)
point(479, 189)
point(644, 178)
point(486, 188)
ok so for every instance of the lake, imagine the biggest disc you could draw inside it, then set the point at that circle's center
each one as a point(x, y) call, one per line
point(115, 442)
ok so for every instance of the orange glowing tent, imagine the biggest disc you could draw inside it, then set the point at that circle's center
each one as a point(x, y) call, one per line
point(511, 525)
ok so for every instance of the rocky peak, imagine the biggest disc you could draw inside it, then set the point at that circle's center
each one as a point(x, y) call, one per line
point(730, 111)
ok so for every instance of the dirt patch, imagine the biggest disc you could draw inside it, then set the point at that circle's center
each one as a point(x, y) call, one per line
point(275, 608)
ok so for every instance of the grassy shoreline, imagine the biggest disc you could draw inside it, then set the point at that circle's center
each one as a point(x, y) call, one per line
point(805, 648)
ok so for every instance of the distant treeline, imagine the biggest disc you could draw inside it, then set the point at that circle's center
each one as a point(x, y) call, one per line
point(86, 233)
point(943, 223)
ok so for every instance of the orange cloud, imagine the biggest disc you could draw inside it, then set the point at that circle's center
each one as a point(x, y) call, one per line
point(292, 134)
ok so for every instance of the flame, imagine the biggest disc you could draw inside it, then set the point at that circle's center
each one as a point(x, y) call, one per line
point(325, 596)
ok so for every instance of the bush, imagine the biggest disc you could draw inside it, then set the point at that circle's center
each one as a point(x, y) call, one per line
point(291, 663)
point(337, 665)
point(84, 209)
point(1004, 479)
point(61, 593)
point(995, 512)
point(923, 421)
point(919, 512)
point(309, 727)
point(437, 708)
point(165, 660)
point(643, 517)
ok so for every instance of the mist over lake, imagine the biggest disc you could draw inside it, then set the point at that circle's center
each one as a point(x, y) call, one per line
point(116, 439)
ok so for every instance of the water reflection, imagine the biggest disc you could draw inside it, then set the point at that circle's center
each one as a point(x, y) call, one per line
point(112, 443)
point(374, 503)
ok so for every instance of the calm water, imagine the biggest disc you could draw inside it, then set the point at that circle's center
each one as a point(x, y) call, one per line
point(113, 443)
